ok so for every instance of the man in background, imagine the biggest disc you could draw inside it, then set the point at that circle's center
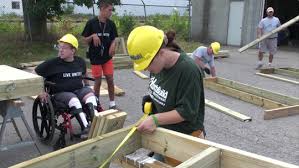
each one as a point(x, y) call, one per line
point(265, 26)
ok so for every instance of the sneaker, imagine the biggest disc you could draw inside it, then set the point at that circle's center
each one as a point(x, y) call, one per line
point(83, 134)
point(259, 66)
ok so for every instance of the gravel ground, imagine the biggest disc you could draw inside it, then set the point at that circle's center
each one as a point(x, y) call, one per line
point(277, 138)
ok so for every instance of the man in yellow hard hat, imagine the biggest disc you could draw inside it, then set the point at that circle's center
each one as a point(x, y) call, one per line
point(205, 55)
point(176, 84)
point(66, 72)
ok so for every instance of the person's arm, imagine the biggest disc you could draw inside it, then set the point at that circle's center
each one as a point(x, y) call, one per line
point(112, 48)
point(199, 62)
point(114, 35)
point(166, 118)
point(213, 71)
point(89, 35)
point(94, 37)
point(259, 30)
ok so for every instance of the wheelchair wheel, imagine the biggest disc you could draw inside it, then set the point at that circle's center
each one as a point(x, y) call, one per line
point(43, 120)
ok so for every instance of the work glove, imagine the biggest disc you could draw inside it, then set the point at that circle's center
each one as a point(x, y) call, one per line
point(207, 70)
point(147, 98)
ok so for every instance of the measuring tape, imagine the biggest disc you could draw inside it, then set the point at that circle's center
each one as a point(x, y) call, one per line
point(147, 111)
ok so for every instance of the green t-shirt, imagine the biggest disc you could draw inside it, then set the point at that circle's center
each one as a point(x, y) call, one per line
point(180, 88)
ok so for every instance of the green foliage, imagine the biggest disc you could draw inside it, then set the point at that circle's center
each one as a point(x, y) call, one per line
point(126, 24)
point(54, 8)
point(68, 10)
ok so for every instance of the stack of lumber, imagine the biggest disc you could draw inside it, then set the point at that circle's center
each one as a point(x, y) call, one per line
point(106, 121)
point(15, 83)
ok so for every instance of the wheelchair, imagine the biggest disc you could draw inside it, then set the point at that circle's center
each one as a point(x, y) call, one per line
point(49, 115)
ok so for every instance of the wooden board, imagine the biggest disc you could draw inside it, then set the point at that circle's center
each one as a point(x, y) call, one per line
point(117, 91)
point(87, 154)
point(283, 99)
point(277, 78)
point(98, 126)
point(209, 158)
point(114, 122)
point(140, 74)
point(247, 97)
point(286, 72)
point(15, 83)
point(261, 97)
point(227, 111)
point(291, 72)
point(281, 112)
point(186, 148)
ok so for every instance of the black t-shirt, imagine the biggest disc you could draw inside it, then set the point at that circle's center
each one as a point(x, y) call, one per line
point(67, 76)
point(107, 33)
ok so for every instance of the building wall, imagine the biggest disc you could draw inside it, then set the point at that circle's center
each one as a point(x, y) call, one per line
point(253, 13)
point(6, 7)
point(210, 19)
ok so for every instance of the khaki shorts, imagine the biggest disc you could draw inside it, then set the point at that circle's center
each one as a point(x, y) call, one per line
point(268, 45)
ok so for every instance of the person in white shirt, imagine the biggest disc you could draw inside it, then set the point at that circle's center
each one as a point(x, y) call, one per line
point(265, 26)
point(205, 55)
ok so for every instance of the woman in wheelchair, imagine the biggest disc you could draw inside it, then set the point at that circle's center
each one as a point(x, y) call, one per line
point(69, 90)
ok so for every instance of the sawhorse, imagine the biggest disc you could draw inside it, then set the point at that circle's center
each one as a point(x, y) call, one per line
point(9, 110)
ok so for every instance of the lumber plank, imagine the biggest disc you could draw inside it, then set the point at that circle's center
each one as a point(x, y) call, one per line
point(277, 97)
point(15, 83)
point(172, 144)
point(100, 121)
point(281, 27)
point(281, 112)
point(93, 124)
point(267, 70)
point(29, 64)
point(277, 78)
point(140, 74)
point(285, 72)
point(227, 111)
point(182, 147)
point(247, 97)
point(117, 91)
point(209, 158)
point(290, 69)
point(114, 122)
point(87, 154)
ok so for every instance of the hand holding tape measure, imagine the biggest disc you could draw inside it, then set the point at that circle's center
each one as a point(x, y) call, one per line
point(147, 111)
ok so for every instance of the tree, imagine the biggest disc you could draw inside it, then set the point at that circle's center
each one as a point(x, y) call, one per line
point(36, 13)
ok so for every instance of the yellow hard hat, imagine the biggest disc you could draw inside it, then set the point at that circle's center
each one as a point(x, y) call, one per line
point(215, 47)
point(143, 44)
point(70, 39)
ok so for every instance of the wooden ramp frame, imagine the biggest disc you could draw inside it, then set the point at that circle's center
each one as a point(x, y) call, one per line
point(260, 97)
point(192, 151)
point(290, 72)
